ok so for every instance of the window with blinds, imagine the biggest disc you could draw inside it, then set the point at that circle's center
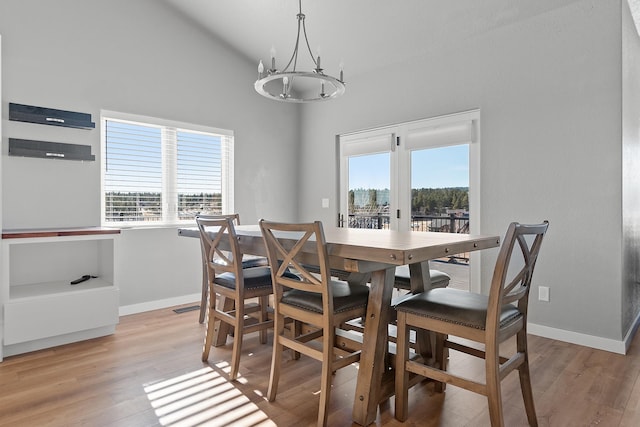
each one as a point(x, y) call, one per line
point(160, 172)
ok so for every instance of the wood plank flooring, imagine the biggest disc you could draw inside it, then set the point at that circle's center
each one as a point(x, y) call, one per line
point(149, 374)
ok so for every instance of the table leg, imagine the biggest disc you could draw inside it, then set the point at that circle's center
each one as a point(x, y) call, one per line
point(419, 277)
point(372, 364)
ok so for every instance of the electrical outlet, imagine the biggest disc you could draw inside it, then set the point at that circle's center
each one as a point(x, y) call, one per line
point(325, 203)
point(543, 293)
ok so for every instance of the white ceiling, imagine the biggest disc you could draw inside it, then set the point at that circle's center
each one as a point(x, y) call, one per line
point(363, 34)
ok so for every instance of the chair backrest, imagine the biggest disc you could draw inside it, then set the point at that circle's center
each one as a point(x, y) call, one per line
point(294, 248)
point(235, 217)
point(221, 251)
point(514, 269)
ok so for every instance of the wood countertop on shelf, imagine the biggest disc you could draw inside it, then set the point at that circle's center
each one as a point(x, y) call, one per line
point(57, 232)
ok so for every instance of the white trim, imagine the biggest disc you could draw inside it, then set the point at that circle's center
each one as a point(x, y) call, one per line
point(444, 119)
point(158, 304)
point(228, 189)
point(475, 187)
point(578, 338)
point(155, 121)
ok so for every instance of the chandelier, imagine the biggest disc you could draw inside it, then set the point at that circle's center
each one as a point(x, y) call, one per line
point(291, 85)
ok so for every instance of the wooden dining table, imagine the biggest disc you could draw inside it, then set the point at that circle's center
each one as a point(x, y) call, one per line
point(373, 255)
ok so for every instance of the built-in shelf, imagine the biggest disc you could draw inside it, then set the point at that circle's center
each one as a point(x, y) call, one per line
point(35, 290)
point(41, 306)
point(27, 233)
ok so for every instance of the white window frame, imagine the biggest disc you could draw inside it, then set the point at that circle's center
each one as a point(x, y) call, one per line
point(169, 166)
point(376, 141)
point(441, 131)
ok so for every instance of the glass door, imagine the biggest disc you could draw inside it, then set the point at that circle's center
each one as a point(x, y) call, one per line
point(419, 176)
point(440, 202)
point(367, 184)
point(440, 189)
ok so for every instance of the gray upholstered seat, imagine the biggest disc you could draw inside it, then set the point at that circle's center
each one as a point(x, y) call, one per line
point(439, 279)
point(457, 306)
point(345, 297)
point(258, 277)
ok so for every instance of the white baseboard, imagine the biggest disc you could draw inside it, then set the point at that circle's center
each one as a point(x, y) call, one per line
point(158, 304)
point(592, 341)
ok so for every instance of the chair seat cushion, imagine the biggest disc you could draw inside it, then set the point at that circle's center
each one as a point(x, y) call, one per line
point(456, 306)
point(254, 278)
point(250, 261)
point(345, 297)
point(439, 279)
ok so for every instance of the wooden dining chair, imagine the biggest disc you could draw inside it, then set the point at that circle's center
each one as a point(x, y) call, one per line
point(315, 300)
point(247, 262)
point(488, 320)
point(234, 285)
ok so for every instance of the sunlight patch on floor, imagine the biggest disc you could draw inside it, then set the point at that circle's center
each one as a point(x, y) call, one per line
point(203, 397)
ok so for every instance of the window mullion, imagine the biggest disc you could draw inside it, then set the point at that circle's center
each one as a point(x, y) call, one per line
point(227, 176)
point(169, 185)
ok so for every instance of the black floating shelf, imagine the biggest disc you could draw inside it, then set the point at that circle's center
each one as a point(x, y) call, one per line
point(50, 116)
point(49, 150)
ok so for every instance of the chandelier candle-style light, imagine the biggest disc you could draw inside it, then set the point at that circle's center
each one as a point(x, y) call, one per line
point(290, 85)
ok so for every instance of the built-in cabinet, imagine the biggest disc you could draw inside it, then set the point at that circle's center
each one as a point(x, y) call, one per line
point(41, 306)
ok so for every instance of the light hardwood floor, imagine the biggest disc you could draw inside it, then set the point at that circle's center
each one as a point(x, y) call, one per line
point(150, 374)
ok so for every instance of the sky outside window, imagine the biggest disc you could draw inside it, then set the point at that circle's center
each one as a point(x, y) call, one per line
point(441, 167)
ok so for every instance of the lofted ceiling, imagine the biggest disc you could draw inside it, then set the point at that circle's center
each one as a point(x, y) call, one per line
point(363, 34)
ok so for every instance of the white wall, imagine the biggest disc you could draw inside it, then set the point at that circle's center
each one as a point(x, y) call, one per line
point(137, 57)
point(549, 89)
point(549, 92)
point(156, 267)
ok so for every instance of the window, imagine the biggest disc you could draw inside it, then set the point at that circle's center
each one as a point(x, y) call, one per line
point(161, 172)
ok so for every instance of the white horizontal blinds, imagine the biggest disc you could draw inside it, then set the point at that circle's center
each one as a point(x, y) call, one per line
point(133, 172)
point(199, 173)
point(162, 172)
